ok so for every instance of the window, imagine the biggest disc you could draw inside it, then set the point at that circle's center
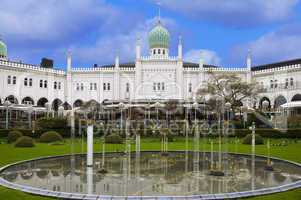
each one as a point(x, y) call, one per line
point(276, 84)
point(59, 85)
point(9, 80)
point(30, 82)
point(77, 86)
point(25, 81)
point(14, 80)
point(45, 84)
point(109, 86)
point(127, 89)
point(163, 86)
point(271, 84)
point(163, 51)
point(95, 86)
point(158, 86)
point(286, 83)
point(55, 85)
point(292, 82)
point(81, 86)
point(104, 86)
point(159, 51)
point(154, 86)
point(41, 83)
point(189, 87)
point(154, 51)
point(91, 86)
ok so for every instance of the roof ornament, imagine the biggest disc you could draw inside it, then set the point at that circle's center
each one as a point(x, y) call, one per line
point(159, 12)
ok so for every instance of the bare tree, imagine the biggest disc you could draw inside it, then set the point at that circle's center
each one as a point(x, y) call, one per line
point(228, 87)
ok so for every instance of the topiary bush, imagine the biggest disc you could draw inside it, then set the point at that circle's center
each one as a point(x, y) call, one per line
point(113, 139)
point(248, 139)
point(24, 141)
point(13, 136)
point(50, 136)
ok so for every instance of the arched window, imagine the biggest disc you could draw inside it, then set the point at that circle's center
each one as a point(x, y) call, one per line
point(77, 86)
point(286, 83)
point(25, 81)
point(81, 86)
point(59, 85)
point(189, 87)
point(272, 84)
point(45, 84)
point(41, 83)
point(127, 87)
point(292, 82)
point(109, 86)
point(159, 51)
point(163, 86)
point(30, 82)
point(9, 80)
point(55, 85)
point(154, 86)
point(163, 51)
point(276, 84)
point(154, 51)
point(104, 86)
point(159, 86)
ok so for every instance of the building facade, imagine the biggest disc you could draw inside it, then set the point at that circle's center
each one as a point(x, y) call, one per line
point(148, 78)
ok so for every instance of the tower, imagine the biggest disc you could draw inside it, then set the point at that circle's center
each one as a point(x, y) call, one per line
point(3, 50)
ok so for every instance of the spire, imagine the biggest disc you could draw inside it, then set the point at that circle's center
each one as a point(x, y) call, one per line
point(249, 59)
point(159, 12)
point(201, 62)
point(117, 59)
point(69, 60)
point(180, 56)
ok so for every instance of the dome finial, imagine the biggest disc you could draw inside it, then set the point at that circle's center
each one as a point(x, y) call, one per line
point(159, 12)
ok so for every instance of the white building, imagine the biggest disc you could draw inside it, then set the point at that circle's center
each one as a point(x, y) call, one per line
point(156, 76)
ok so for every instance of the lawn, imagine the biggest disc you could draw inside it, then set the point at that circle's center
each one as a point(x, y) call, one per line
point(10, 154)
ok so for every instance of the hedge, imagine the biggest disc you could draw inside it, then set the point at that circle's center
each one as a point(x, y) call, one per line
point(248, 139)
point(24, 141)
point(50, 136)
point(52, 123)
point(113, 139)
point(13, 136)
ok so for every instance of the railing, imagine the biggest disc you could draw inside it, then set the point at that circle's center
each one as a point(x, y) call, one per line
point(19, 65)
point(277, 69)
point(281, 87)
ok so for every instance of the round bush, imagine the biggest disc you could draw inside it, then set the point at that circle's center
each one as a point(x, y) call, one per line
point(113, 139)
point(13, 136)
point(50, 136)
point(24, 141)
point(248, 139)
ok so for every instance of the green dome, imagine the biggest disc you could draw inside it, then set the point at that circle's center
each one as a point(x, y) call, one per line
point(158, 37)
point(3, 49)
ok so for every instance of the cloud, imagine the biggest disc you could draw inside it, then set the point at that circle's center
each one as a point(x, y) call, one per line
point(210, 57)
point(106, 47)
point(236, 13)
point(282, 44)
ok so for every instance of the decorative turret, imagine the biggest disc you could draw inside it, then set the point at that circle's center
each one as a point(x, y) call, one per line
point(3, 50)
point(249, 60)
point(158, 40)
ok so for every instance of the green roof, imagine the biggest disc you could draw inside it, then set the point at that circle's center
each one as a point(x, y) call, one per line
point(3, 49)
point(158, 37)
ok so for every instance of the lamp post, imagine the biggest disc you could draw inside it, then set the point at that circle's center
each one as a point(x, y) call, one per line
point(6, 104)
point(29, 110)
point(61, 111)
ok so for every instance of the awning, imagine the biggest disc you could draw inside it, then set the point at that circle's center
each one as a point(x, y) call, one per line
point(293, 104)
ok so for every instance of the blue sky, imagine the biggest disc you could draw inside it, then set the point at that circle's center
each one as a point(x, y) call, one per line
point(96, 30)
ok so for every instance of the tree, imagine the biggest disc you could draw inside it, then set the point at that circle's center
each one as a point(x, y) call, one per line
point(227, 87)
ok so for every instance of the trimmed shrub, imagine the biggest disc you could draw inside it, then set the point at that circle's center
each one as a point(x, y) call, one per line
point(4, 133)
point(113, 139)
point(24, 141)
point(50, 136)
point(248, 139)
point(13, 136)
point(52, 123)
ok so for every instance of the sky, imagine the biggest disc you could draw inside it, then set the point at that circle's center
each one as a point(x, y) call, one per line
point(95, 31)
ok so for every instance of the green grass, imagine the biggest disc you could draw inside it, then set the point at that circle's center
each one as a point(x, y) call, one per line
point(10, 154)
